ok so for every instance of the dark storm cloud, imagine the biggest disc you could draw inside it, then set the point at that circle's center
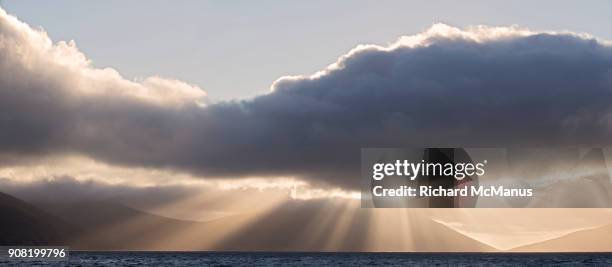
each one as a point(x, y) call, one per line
point(445, 87)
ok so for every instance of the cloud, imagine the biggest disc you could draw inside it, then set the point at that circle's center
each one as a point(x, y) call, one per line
point(67, 189)
point(196, 201)
point(481, 86)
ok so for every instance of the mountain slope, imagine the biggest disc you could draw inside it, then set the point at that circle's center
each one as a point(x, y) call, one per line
point(291, 229)
point(24, 224)
point(295, 227)
point(590, 240)
point(109, 226)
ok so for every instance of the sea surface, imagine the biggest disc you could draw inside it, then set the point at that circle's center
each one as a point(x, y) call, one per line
point(320, 259)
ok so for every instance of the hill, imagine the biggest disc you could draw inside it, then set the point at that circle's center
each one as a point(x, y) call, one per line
point(24, 224)
point(589, 240)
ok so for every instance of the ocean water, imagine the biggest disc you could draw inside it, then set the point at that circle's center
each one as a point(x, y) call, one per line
point(320, 259)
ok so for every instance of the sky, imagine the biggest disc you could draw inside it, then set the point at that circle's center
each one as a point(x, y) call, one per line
point(236, 49)
point(197, 110)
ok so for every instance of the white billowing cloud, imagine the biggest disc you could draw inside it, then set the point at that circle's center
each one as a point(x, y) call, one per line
point(440, 32)
point(481, 86)
point(29, 51)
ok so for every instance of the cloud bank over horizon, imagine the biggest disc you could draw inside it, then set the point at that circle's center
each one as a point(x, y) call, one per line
point(481, 86)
